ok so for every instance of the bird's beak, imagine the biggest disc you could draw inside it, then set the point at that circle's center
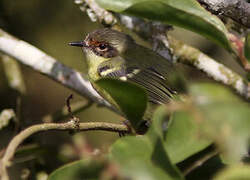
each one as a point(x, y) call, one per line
point(78, 44)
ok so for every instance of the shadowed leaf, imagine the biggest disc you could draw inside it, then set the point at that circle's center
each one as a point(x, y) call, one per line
point(224, 118)
point(131, 99)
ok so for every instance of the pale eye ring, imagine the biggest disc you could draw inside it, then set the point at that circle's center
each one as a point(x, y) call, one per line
point(102, 47)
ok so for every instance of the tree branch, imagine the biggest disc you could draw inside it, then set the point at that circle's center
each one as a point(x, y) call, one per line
point(191, 56)
point(18, 139)
point(238, 10)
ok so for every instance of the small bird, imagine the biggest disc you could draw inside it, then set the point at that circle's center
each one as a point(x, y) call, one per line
point(113, 54)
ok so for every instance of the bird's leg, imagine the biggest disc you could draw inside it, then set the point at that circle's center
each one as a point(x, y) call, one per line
point(126, 123)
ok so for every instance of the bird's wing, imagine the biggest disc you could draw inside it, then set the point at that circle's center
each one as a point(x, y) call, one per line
point(154, 83)
point(147, 77)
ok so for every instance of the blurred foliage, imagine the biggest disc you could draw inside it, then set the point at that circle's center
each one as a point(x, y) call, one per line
point(182, 134)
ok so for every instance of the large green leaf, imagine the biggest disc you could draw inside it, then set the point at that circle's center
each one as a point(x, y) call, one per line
point(145, 157)
point(224, 118)
point(78, 170)
point(184, 13)
point(182, 138)
point(131, 99)
point(139, 159)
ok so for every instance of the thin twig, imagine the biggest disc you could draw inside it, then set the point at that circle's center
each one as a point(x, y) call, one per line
point(18, 139)
point(68, 105)
point(200, 162)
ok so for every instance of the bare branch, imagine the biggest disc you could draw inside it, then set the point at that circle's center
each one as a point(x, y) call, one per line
point(238, 10)
point(18, 139)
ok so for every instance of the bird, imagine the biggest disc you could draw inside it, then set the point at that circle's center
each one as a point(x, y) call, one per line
point(114, 54)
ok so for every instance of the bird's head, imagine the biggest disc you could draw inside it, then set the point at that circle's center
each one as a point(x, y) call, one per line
point(104, 44)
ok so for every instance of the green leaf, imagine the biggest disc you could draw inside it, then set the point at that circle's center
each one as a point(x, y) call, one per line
point(131, 99)
point(182, 138)
point(78, 170)
point(237, 172)
point(145, 157)
point(224, 118)
point(187, 14)
point(247, 46)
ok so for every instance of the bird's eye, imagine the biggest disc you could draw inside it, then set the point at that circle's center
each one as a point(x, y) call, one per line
point(102, 47)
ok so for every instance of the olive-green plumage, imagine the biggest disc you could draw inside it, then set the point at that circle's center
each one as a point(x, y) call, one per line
point(113, 54)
